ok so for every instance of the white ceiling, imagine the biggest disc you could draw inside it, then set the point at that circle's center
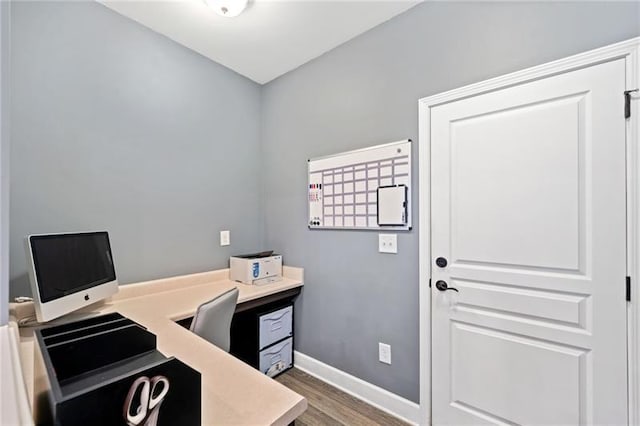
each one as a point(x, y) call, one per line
point(270, 38)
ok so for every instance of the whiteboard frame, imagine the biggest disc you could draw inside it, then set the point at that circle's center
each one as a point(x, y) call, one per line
point(405, 227)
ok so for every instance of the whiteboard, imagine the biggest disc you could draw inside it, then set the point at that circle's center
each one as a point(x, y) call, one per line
point(342, 188)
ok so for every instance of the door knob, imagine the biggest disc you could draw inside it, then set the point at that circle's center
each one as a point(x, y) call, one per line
point(442, 286)
point(441, 262)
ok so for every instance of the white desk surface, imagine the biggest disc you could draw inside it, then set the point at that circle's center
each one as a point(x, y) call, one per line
point(232, 391)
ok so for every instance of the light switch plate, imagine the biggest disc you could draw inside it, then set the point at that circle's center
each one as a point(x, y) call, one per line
point(388, 243)
point(225, 238)
point(384, 353)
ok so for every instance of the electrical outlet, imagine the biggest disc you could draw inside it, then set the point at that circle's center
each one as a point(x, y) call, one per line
point(225, 238)
point(388, 243)
point(384, 353)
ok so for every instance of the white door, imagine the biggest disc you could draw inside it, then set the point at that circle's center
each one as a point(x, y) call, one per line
point(528, 209)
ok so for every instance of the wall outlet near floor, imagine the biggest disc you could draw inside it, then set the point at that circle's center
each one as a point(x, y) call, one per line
point(384, 353)
point(388, 243)
point(225, 238)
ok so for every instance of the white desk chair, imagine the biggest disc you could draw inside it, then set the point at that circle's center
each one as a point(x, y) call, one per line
point(213, 319)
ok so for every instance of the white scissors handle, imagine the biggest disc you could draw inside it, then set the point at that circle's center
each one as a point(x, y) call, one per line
point(157, 399)
point(141, 402)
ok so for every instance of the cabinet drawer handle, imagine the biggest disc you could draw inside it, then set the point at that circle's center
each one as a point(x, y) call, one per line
point(276, 318)
point(276, 326)
point(276, 358)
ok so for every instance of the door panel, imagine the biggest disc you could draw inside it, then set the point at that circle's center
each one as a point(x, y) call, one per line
point(528, 204)
point(539, 195)
point(516, 367)
point(552, 308)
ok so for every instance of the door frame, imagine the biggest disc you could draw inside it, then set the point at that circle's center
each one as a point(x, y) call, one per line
point(630, 51)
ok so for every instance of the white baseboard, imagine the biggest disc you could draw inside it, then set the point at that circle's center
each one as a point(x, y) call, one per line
point(384, 400)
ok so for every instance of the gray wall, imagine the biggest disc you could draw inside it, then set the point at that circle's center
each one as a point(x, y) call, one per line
point(365, 93)
point(116, 127)
point(5, 34)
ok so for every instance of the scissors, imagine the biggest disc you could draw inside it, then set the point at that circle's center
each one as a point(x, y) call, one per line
point(145, 397)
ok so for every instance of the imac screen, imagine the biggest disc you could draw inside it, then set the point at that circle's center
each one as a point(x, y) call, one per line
point(68, 263)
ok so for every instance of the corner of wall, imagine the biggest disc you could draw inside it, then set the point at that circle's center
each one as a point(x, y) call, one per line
point(5, 33)
point(262, 227)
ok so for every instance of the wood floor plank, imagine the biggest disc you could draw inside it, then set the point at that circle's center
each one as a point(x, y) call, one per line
point(364, 411)
point(314, 417)
point(330, 406)
point(329, 403)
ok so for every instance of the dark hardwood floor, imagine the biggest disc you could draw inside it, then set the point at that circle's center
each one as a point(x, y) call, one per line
point(331, 406)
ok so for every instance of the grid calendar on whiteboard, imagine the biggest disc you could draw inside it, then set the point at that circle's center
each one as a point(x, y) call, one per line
point(342, 190)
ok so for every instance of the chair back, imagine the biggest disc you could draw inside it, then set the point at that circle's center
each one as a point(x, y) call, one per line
point(213, 319)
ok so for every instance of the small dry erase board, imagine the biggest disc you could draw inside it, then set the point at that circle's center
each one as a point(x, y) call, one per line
point(364, 189)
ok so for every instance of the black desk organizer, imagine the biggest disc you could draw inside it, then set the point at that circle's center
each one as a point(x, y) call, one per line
point(106, 371)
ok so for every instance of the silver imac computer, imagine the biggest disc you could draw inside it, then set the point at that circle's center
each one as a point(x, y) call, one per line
point(69, 271)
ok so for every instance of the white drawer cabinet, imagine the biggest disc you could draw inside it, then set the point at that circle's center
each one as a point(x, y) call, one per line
point(275, 326)
point(277, 358)
point(262, 333)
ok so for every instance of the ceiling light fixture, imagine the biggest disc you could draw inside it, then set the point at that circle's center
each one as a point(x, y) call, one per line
point(227, 8)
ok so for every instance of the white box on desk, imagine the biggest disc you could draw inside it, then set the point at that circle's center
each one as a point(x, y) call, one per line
point(259, 268)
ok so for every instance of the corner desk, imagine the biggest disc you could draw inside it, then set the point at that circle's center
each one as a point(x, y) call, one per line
point(232, 391)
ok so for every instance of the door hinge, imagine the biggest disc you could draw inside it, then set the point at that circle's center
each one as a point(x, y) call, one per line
point(627, 102)
point(628, 292)
point(429, 282)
